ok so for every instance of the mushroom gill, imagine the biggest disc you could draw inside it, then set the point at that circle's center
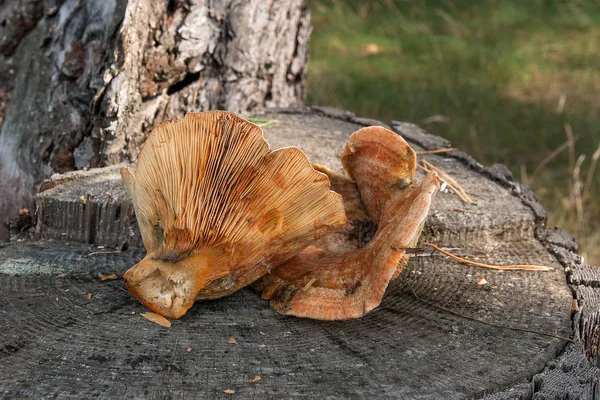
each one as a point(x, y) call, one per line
point(217, 209)
point(345, 274)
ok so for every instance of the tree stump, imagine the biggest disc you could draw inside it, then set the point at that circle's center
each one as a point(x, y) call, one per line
point(65, 332)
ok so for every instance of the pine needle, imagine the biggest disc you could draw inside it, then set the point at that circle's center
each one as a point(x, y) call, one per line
point(448, 180)
point(437, 151)
point(525, 267)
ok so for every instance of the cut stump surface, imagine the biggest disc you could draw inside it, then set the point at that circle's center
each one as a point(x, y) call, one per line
point(56, 341)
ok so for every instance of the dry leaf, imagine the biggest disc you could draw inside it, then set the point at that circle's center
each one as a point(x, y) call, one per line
point(89, 296)
point(189, 349)
point(482, 281)
point(371, 49)
point(255, 379)
point(232, 340)
point(83, 200)
point(157, 319)
point(109, 277)
point(61, 275)
point(229, 391)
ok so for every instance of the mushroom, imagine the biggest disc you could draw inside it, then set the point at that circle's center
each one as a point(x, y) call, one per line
point(345, 274)
point(217, 209)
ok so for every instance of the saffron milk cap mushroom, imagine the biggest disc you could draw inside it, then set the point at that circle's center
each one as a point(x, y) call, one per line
point(345, 274)
point(217, 209)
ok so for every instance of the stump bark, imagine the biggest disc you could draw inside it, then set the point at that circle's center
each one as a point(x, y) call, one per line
point(450, 338)
point(82, 82)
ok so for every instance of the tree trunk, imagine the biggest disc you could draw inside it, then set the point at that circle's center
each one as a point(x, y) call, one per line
point(82, 82)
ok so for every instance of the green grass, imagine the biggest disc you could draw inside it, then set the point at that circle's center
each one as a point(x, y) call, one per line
point(488, 75)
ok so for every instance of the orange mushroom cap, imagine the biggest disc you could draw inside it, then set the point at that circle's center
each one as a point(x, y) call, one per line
point(345, 274)
point(380, 162)
point(217, 209)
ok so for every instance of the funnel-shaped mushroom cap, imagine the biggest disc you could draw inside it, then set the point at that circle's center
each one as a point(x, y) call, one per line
point(380, 162)
point(217, 209)
point(345, 274)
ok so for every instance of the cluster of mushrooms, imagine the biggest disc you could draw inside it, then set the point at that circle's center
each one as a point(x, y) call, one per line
point(218, 210)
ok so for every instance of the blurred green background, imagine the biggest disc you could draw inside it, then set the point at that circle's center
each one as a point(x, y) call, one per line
point(512, 82)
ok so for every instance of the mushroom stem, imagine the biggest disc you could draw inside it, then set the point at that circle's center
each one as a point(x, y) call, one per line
point(170, 287)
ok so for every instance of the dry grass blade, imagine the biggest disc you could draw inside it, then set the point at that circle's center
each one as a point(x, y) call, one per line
point(448, 180)
point(576, 193)
point(157, 319)
point(525, 267)
point(446, 176)
point(561, 103)
point(437, 151)
point(590, 174)
point(571, 142)
point(524, 175)
point(552, 156)
point(571, 146)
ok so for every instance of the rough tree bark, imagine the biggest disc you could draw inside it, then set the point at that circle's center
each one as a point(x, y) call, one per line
point(82, 81)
